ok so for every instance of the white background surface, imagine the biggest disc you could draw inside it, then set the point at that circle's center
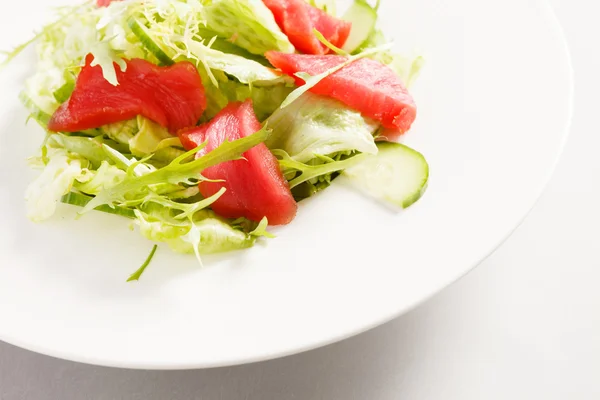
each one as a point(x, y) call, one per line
point(524, 325)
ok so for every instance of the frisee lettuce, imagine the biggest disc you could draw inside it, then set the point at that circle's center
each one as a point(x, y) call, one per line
point(303, 172)
point(177, 172)
point(206, 233)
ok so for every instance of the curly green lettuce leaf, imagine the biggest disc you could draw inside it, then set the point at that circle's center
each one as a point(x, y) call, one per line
point(177, 172)
point(315, 125)
point(298, 173)
point(62, 47)
point(95, 181)
point(206, 233)
point(210, 234)
point(248, 24)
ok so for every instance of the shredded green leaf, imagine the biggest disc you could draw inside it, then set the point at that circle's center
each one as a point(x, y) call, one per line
point(308, 172)
point(328, 44)
point(261, 230)
point(138, 274)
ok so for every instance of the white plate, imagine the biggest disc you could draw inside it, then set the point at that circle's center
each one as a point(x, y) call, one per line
point(495, 104)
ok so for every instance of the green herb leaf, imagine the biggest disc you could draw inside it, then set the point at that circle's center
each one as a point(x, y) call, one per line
point(309, 172)
point(328, 44)
point(138, 274)
point(178, 171)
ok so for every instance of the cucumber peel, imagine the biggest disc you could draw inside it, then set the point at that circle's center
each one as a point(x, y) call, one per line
point(397, 175)
point(140, 32)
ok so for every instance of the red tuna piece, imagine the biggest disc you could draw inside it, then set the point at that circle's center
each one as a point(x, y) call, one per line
point(366, 85)
point(255, 185)
point(297, 19)
point(170, 96)
point(104, 3)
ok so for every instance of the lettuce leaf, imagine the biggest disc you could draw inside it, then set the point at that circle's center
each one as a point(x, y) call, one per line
point(248, 24)
point(298, 173)
point(315, 125)
point(121, 132)
point(55, 181)
point(62, 46)
point(244, 70)
point(211, 235)
point(206, 233)
point(152, 138)
point(95, 181)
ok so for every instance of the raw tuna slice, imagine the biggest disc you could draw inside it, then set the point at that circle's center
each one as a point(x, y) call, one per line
point(170, 96)
point(366, 85)
point(104, 3)
point(297, 19)
point(255, 186)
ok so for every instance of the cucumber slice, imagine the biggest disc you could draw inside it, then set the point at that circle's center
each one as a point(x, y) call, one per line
point(396, 175)
point(140, 32)
point(363, 18)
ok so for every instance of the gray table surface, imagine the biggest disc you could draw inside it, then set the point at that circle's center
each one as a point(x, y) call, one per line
point(524, 325)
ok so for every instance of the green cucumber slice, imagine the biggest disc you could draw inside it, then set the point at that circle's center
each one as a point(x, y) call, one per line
point(140, 32)
point(396, 175)
point(363, 18)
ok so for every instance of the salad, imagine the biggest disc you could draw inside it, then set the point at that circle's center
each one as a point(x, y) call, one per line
point(207, 121)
